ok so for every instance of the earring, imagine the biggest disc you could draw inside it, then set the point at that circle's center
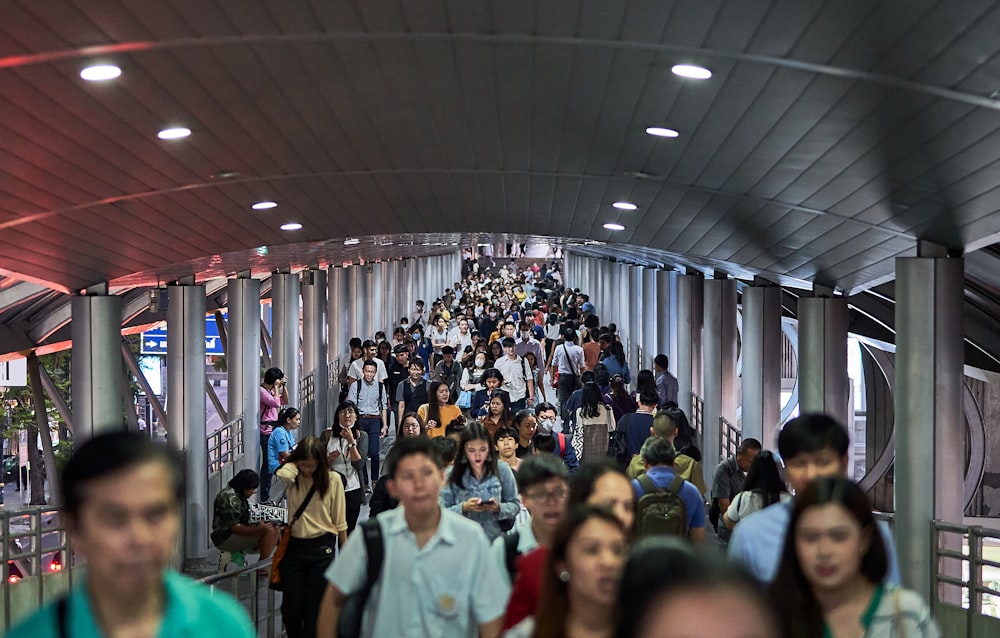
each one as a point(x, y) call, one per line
point(564, 576)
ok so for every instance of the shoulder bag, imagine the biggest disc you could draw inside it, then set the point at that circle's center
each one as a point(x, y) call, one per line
point(274, 579)
point(576, 373)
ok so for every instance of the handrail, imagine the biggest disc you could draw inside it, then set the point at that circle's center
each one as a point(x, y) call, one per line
point(225, 444)
point(729, 439)
point(961, 568)
point(697, 416)
point(220, 580)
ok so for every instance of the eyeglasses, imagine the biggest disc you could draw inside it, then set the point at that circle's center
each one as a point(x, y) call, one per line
point(411, 426)
point(555, 496)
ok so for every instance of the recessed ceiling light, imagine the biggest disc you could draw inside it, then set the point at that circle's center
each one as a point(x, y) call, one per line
point(625, 206)
point(352, 241)
point(173, 133)
point(100, 72)
point(264, 205)
point(691, 71)
point(611, 226)
point(291, 226)
point(659, 131)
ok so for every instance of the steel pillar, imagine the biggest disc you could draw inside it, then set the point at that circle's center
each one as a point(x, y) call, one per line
point(186, 430)
point(314, 348)
point(353, 304)
point(635, 309)
point(762, 364)
point(666, 317)
point(823, 383)
point(285, 311)
point(336, 316)
point(719, 367)
point(244, 371)
point(930, 432)
point(377, 298)
point(97, 387)
point(690, 320)
point(651, 316)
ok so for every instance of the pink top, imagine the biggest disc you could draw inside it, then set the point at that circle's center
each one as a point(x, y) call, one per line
point(269, 405)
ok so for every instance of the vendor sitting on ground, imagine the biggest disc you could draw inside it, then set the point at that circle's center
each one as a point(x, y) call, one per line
point(231, 528)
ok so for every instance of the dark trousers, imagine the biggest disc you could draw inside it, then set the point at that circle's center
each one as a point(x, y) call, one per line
point(567, 384)
point(373, 426)
point(520, 404)
point(354, 499)
point(302, 576)
point(265, 476)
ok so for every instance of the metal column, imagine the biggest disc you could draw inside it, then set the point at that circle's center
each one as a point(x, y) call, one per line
point(314, 350)
point(285, 330)
point(243, 376)
point(651, 316)
point(97, 362)
point(823, 383)
point(358, 288)
point(690, 320)
point(377, 296)
point(720, 367)
point(930, 432)
point(186, 431)
point(635, 308)
point(762, 364)
point(666, 310)
point(336, 317)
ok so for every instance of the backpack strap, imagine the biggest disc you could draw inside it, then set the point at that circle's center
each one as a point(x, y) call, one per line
point(676, 484)
point(648, 487)
point(561, 442)
point(510, 541)
point(375, 550)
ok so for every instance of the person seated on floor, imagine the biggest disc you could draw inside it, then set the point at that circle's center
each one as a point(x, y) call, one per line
point(231, 527)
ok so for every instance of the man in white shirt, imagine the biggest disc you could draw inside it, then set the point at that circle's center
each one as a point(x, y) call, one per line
point(528, 343)
point(567, 360)
point(460, 336)
point(517, 376)
point(356, 372)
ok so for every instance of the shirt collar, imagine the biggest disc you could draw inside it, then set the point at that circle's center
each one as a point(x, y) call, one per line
point(395, 524)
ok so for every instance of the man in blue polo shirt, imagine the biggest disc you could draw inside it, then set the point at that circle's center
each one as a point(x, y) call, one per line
point(812, 446)
point(658, 455)
point(122, 497)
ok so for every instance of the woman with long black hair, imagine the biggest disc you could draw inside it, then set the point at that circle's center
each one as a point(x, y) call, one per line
point(346, 450)
point(762, 488)
point(594, 423)
point(315, 534)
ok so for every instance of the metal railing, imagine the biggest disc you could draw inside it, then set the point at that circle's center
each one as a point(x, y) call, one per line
point(247, 585)
point(307, 398)
point(697, 416)
point(962, 596)
point(37, 561)
point(225, 445)
point(730, 438)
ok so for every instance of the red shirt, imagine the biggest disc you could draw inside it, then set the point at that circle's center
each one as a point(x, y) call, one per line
point(527, 586)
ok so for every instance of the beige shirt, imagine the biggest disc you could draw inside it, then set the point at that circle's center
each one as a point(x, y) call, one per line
point(325, 514)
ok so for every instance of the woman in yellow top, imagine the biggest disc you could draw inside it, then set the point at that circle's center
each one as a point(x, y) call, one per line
point(439, 412)
point(314, 535)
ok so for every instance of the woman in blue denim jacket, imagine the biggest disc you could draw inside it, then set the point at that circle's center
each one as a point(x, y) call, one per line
point(480, 487)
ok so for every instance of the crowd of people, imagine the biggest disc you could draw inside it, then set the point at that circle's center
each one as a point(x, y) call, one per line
point(519, 484)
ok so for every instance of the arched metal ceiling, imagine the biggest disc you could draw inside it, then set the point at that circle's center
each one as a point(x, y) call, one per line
point(832, 136)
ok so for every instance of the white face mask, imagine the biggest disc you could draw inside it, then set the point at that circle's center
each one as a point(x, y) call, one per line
point(546, 424)
point(480, 362)
point(525, 334)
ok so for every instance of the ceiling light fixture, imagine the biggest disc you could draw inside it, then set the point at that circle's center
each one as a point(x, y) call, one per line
point(264, 205)
point(100, 72)
point(659, 131)
point(612, 226)
point(173, 133)
point(352, 241)
point(291, 226)
point(691, 71)
point(625, 206)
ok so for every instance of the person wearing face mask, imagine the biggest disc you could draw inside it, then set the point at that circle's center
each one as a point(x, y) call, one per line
point(488, 324)
point(472, 376)
point(547, 423)
point(526, 343)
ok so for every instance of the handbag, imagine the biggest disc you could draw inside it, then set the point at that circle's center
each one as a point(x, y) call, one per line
point(576, 373)
point(464, 399)
point(274, 578)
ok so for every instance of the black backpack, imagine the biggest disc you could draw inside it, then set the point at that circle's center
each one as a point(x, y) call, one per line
point(353, 611)
point(510, 541)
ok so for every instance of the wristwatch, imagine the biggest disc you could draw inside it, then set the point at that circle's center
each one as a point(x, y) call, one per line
point(350, 445)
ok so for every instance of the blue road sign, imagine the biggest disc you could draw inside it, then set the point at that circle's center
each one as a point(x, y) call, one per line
point(155, 341)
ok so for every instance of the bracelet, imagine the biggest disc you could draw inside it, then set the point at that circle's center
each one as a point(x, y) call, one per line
point(350, 445)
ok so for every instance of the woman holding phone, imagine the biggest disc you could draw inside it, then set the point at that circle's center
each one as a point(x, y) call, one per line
point(480, 487)
point(346, 449)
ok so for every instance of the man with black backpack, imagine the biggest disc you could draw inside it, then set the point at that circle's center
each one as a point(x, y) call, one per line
point(666, 504)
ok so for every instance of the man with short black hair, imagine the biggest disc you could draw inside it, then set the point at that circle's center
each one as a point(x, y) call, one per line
point(370, 353)
point(658, 457)
point(638, 425)
point(728, 481)
point(567, 362)
point(812, 446)
point(123, 495)
point(666, 383)
point(458, 589)
point(372, 404)
point(665, 428)
point(412, 392)
point(546, 415)
point(449, 372)
point(516, 374)
point(527, 343)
